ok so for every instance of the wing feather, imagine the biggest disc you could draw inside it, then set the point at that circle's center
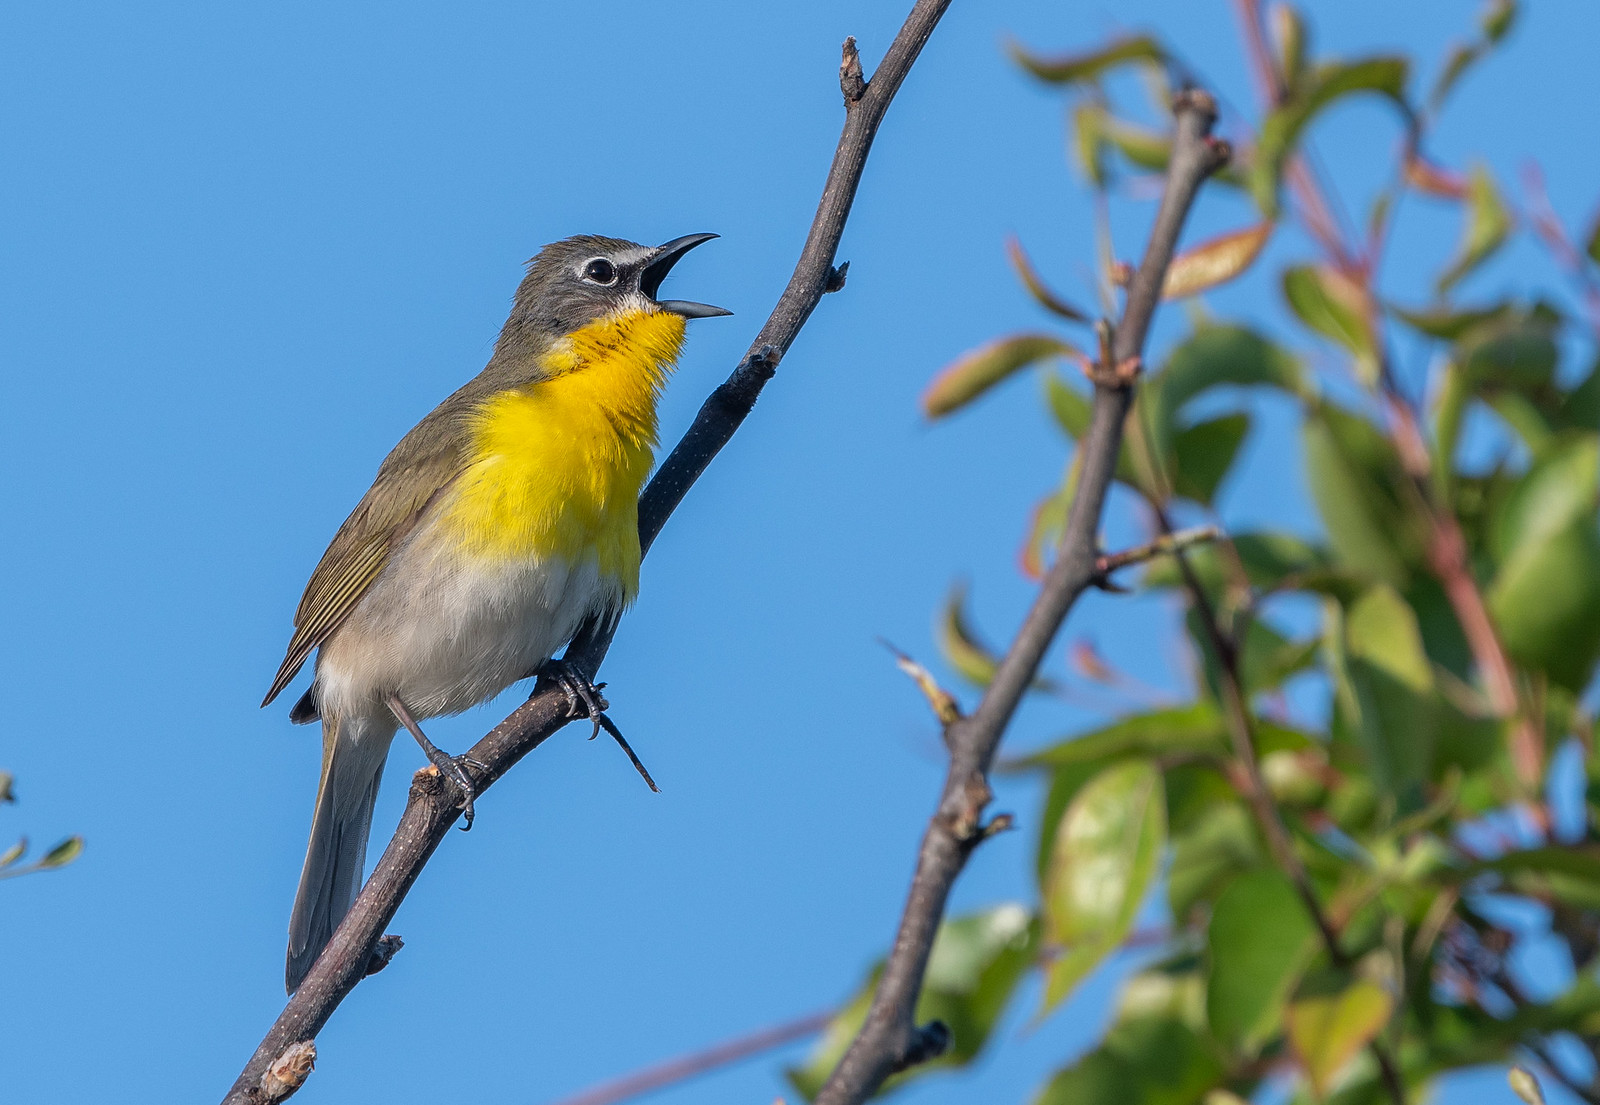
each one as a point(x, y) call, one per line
point(425, 462)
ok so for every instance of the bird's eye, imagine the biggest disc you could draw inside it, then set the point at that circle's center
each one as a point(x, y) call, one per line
point(600, 271)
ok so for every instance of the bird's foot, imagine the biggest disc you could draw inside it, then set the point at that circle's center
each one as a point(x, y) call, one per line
point(584, 700)
point(583, 697)
point(450, 767)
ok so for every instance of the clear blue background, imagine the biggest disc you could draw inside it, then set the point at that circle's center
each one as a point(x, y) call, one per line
point(245, 249)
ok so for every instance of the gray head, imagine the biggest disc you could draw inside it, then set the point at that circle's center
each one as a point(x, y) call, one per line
point(577, 280)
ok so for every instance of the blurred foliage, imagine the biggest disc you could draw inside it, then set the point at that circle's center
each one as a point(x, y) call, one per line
point(11, 864)
point(1442, 693)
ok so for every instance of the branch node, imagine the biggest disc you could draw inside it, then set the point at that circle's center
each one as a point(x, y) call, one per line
point(928, 1042)
point(1196, 99)
point(851, 82)
point(288, 1072)
point(1000, 823)
point(764, 362)
point(965, 820)
point(382, 952)
point(1120, 375)
point(836, 278)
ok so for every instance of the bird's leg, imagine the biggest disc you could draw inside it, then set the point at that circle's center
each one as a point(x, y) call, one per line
point(447, 765)
point(584, 700)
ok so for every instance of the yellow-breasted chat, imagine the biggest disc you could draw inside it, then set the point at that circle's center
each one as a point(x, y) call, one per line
point(497, 526)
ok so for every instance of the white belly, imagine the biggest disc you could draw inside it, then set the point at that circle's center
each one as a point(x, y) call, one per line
point(446, 632)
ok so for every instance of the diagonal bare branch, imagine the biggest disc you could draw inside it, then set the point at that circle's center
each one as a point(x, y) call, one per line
point(431, 808)
point(890, 1039)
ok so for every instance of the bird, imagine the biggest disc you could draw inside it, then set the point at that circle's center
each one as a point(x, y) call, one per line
point(497, 526)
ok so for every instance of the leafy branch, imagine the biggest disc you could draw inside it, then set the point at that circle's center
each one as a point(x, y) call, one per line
point(890, 1040)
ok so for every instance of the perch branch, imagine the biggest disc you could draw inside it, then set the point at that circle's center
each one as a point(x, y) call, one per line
point(890, 1038)
point(431, 805)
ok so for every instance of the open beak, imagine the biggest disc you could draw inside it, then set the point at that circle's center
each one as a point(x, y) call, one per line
point(656, 271)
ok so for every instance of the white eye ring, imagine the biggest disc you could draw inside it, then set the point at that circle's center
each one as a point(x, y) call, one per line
point(600, 271)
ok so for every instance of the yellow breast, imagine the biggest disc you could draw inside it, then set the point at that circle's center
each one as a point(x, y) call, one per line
point(558, 464)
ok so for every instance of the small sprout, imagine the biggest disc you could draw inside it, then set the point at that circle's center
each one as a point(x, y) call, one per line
point(13, 853)
point(1525, 1085)
point(943, 702)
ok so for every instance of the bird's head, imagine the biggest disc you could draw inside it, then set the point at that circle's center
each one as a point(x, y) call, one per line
point(578, 280)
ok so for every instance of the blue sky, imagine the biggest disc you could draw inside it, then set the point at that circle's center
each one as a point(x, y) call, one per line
point(245, 249)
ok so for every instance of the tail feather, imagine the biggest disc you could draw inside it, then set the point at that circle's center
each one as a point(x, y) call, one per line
point(354, 751)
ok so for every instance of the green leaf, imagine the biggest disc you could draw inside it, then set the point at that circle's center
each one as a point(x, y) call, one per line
point(1203, 454)
point(13, 853)
point(1207, 857)
point(63, 853)
point(6, 793)
point(1561, 487)
point(958, 644)
point(1072, 410)
point(1498, 19)
point(1217, 356)
point(1076, 68)
point(1450, 323)
point(1354, 476)
point(1047, 525)
point(1107, 852)
point(1327, 1032)
point(1291, 39)
point(1213, 356)
point(976, 372)
point(1268, 659)
point(1089, 142)
point(1545, 598)
point(1143, 148)
point(976, 963)
point(1518, 351)
point(1460, 60)
point(1338, 308)
point(1194, 730)
point(1388, 692)
point(1258, 942)
point(1215, 261)
point(1545, 601)
point(1142, 1061)
point(1577, 860)
point(1487, 227)
point(1580, 408)
point(1385, 76)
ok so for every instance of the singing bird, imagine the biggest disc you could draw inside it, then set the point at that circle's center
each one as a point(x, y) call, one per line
point(502, 521)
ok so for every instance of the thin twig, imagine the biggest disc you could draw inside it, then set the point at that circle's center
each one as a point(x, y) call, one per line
point(890, 1038)
point(1165, 545)
point(690, 1066)
point(431, 807)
